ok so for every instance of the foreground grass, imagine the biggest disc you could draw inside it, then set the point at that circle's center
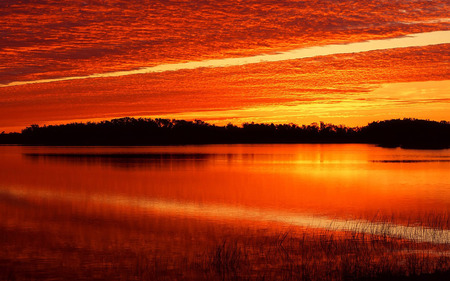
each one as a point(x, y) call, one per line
point(296, 254)
point(327, 256)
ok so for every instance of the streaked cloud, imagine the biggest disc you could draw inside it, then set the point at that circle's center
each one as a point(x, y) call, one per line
point(44, 40)
point(413, 40)
point(229, 56)
point(307, 88)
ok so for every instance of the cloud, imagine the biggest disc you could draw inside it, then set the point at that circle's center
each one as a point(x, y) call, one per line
point(413, 40)
point(51, 38)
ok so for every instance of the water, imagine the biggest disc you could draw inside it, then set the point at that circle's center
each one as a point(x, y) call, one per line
point(84, 209)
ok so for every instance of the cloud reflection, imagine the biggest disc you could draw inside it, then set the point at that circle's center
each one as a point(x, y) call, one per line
point(224, 212)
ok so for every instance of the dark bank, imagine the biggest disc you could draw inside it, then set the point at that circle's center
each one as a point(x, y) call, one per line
point(405, 133)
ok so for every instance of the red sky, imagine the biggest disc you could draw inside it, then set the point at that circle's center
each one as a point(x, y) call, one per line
point(57, 41)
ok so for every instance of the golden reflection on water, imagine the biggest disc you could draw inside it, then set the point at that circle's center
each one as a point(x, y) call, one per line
point(221, 212)
point(91, 202)
point(346, 181)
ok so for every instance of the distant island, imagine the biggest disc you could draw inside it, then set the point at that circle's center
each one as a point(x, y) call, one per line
point(405, 133)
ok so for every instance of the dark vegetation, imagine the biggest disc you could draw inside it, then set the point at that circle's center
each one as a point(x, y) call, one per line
point(327, 256)
point(406, 133)
point(286, 256)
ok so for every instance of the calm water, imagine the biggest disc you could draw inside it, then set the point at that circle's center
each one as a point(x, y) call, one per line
point(65, 207)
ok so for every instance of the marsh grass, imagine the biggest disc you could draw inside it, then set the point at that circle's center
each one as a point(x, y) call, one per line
point(435, 220)
point(327, 255)
point(294, 254)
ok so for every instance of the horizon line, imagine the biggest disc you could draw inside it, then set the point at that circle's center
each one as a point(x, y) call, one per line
point(100, 120)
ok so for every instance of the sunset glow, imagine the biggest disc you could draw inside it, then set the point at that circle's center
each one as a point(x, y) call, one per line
point(346, 62)
point(221, 140)
point(413, 40)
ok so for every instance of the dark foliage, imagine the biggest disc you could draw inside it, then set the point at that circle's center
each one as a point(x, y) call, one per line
point(407, 133)
point(11, 138)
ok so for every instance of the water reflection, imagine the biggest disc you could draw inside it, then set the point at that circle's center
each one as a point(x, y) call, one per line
point(411, 161)
point(94, 207)
point(347, 181)
point(123, 160)
point(221, 212)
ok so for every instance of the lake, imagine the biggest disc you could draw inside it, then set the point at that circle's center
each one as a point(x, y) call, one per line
point(168, 212)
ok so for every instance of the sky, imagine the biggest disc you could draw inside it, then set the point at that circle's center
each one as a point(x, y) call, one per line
point(281, 61)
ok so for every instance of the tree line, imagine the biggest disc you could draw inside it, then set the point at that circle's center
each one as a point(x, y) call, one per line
point(407, 133)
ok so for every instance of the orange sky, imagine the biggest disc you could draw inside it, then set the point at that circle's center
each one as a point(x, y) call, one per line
point(65, 40)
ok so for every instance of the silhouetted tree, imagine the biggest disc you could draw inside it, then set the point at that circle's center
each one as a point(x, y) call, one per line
point(407, 133)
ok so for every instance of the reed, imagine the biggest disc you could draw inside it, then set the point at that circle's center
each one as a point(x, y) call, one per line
point(327, 255)
point(295, 254)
